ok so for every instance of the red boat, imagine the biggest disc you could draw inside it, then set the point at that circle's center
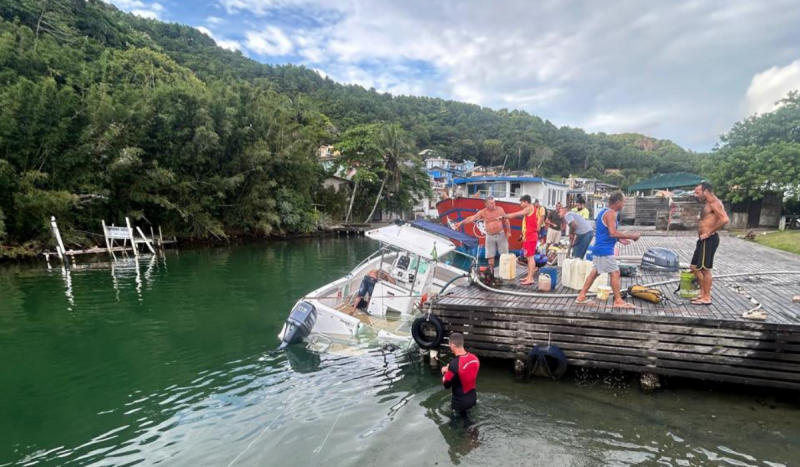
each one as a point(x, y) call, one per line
point(506, 192)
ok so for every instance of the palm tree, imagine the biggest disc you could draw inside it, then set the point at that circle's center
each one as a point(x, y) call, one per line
point(397, 149)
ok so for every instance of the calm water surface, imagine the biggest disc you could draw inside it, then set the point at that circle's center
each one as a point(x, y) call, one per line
point(171, 361)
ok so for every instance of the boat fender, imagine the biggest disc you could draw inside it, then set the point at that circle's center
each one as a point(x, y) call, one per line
point(427, 331)
point(548, 361)
point(645, 293)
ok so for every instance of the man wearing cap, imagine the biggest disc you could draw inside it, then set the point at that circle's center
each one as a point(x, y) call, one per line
point(497, 229)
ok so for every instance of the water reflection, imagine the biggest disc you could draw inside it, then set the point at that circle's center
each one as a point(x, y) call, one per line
point(174, 367)
point(125, 268)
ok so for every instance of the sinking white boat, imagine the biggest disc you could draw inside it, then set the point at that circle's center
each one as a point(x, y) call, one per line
point(411, 264)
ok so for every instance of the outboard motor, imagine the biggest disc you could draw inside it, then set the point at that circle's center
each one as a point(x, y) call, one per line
point(660, 259)
point(299, 324)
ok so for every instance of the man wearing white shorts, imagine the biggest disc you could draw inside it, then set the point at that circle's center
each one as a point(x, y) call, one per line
point(553, 222)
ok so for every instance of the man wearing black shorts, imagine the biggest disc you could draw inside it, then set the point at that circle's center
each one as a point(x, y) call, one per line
point(368, 285)
point(712, 219)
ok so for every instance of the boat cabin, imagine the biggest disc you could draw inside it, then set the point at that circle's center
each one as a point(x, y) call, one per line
point(411, 266)
point(511, 188)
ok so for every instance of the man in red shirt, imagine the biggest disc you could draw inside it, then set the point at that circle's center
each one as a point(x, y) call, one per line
point(460, 376)
point(530, 233)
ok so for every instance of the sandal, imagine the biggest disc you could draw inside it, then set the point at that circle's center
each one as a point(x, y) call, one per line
point(584, 301)
point(699, 303)
point(627, 306)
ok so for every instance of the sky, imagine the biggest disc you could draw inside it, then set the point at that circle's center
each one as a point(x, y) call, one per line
point(679, 70)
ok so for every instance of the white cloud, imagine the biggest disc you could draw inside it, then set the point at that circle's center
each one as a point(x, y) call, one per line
point(214, 20)
point(270, 41)
point(224, 43)
point(771, 85)
point(675, 68)
point(141, 8)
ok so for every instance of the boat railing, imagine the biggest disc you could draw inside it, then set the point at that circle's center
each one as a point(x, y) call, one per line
point(365, 261)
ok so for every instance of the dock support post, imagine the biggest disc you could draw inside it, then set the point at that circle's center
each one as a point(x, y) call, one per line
point(108, 244)
point(649, 382)
point(160, 237)
point(133, 240)
point(146, 242)
point(519, 369)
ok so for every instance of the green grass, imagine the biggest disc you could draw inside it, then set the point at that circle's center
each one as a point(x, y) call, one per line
point(788, 240)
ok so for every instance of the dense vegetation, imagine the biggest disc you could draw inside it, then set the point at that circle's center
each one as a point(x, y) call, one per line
point(760, 154)
point(105, 115)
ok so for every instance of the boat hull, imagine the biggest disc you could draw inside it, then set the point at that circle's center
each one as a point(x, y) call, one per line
point(458, 209)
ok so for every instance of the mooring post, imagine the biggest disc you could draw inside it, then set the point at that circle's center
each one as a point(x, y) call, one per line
point(133, 240)
point(59, 243)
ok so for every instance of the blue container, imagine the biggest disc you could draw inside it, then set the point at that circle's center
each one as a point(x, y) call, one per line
point(589, 254)
point(553, 273)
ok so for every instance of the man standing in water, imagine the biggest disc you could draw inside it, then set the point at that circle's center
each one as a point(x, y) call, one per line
point(603, 252)
point(460, 375)
point(712, 219)
point(497, 230)
point(530, 233)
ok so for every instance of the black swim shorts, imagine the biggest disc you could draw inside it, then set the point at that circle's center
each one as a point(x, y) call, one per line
point(704, 252)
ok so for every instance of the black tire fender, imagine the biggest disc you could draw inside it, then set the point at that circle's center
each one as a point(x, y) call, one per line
point(422, 340)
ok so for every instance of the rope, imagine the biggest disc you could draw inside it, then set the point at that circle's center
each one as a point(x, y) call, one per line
point(319, 448)
point(260, 435)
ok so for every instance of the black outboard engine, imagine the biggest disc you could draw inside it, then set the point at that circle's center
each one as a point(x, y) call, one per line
point(660, 259)
point(299, 324)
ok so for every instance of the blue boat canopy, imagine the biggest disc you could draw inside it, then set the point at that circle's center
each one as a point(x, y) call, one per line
point(452, 235)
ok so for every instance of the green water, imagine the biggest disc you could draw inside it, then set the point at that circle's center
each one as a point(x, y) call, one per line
point(171, 361)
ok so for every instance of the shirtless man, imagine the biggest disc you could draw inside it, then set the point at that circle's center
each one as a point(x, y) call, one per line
point(497, 230)
point(368, 285)
point(712, 219)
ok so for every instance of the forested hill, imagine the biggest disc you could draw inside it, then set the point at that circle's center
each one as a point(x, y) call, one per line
point(104, 114)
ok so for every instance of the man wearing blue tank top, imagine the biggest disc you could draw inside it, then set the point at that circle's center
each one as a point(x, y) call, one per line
point(605, 240)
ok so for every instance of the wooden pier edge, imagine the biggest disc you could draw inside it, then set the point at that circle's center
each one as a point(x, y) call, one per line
point(674, 338)
point(756, 354)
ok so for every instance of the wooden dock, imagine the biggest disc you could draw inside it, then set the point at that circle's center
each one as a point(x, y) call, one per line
point(674, 338)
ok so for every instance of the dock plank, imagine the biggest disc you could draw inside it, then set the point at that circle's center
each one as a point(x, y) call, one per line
point(676, 338)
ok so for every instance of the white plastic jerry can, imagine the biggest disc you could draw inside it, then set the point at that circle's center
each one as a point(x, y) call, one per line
point(566, 272)
point(508, 266)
